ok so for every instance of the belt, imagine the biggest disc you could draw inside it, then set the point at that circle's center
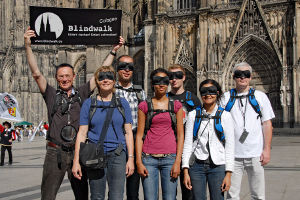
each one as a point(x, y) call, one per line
point(62, 147)
point(159, 155)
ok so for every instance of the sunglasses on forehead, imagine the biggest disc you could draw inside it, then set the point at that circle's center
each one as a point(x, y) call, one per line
point(212, 90)
point(176, 75)
point(242, 74)
point(106, 75)
point(125, 66)
point(160, 80)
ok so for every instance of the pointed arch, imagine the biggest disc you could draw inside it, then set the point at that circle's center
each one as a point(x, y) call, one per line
point(139, 71)
point(80, 71)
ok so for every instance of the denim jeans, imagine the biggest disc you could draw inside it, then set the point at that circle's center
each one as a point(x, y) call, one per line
point(133, 185)
point(201, 174)
point(53, 176)
point(256, 178)
point(115, 174)
point(151, 182)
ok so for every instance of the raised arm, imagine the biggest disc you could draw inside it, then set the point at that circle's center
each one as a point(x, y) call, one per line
point(36, 74)
point(110, 57)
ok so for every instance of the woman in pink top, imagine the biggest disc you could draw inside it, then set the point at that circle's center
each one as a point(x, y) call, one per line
point(159, 151)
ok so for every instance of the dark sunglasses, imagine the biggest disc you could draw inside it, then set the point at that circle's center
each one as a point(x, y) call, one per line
point(242, 74)
point(106, 75)
point(212, 90)
point(176, 75)
point(125, 66)
point(160, 80)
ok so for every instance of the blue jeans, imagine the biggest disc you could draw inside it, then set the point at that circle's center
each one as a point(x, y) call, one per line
point(201, 174)
point(115, 174)
point(151, 182)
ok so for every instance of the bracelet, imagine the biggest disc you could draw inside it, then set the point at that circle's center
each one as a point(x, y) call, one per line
point(131, 156)
point(113, 53)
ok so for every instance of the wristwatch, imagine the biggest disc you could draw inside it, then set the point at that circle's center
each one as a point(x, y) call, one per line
point(113, 53)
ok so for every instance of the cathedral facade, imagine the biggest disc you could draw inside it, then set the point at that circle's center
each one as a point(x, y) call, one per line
point(207, 37)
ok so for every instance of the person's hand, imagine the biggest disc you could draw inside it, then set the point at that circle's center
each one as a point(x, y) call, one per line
point(187, 180)
point(76, 170)
point(118, 46)
point(27, 35)
point(226, 182)
point(175, 171)
point(265, 157)
point(142, 170)
point(129, 167)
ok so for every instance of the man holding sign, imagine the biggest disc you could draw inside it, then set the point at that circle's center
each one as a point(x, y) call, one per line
point(63, 107)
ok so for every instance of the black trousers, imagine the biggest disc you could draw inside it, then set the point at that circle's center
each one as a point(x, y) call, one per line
point(54, 175)
point(186, 194)
point(8, 148)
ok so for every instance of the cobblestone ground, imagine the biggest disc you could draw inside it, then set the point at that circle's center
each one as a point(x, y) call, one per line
point(22, 180)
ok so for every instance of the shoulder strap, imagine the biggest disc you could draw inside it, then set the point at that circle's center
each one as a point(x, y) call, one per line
point(188, 99)
point(120, 107)
point(148, 116)
point(197, 122)
point(93, 108)
point(171, 108)
point(57, 103)
point(138, 91)
point(231, 100)
point(218, 126)
point(253, 102)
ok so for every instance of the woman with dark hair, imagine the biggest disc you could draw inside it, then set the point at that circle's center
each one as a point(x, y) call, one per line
point(158, 149)
point(208, 153)
point(118, 140)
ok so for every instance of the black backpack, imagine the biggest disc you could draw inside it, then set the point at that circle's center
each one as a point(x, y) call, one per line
point(152, 112)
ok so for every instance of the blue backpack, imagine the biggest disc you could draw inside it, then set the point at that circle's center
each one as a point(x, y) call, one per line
point(251, 97)
point(217, 122)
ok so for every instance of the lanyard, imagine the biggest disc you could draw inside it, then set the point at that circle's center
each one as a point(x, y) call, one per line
point(241, 109)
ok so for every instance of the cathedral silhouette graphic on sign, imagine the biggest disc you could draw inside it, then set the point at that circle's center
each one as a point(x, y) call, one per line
point(46, 33)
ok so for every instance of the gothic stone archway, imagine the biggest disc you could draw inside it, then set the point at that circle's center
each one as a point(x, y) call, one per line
point(266, 74)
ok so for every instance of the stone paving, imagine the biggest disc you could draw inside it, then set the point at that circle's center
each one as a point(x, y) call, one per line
point(22, 180)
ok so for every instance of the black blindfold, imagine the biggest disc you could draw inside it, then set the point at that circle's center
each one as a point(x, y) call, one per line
point(212, 90)
point(160, 80)
point(125, 66)
point(106, 75)
point(176, 75)
point(241, 74)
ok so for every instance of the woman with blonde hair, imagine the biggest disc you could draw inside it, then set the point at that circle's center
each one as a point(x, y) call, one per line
point(118, 142)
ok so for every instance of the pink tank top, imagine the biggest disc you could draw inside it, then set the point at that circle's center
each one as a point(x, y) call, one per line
point(160, 138)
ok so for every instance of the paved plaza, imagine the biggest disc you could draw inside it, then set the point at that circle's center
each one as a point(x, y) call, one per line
point(22, 180)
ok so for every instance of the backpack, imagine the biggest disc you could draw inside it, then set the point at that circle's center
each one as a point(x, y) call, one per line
point(137, 89)
point(152, 112)
point(217, 122)
point(188, 99)
point(251, 97)
point(94, 107)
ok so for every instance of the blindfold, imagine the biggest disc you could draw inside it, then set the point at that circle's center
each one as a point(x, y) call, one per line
point(242, 74)
point(160, 80)
point(212, 90)
point(106, 75)
point(176, 75)
point(125, 66)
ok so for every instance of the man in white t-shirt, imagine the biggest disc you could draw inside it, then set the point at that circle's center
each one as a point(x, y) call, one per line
point(253, 132)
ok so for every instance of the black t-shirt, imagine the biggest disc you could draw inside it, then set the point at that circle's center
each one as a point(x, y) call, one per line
point(186, 107)
point(59, 120)
point(6, 135)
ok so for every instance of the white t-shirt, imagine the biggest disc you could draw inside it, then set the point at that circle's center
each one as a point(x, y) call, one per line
point(253, 145)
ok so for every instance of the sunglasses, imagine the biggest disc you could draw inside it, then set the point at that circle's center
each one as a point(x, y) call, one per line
point(212, 90)
point(106, 75)
point(176, 75)
point(160, 80)
point(125, 66)
point(242, 74)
